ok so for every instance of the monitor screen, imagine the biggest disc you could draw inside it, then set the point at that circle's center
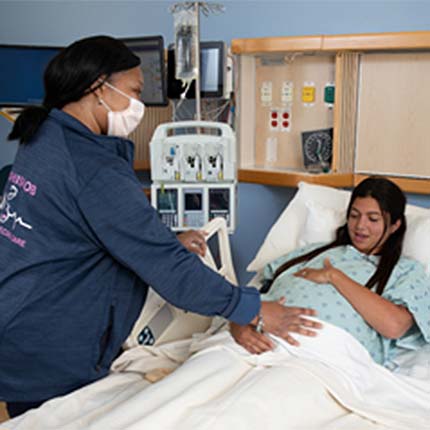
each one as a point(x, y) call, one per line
point(21, 73)
point(211, 72)
point(219, 199)
point(150, 50)
point(193, 200)
point(167, 200)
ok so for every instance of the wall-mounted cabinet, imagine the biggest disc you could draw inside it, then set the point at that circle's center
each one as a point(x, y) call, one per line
point(371, 91)
point(143, 134)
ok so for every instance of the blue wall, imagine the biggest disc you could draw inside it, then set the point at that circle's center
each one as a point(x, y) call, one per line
point(62, 21)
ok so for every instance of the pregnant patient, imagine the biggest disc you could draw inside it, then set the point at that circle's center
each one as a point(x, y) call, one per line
point(359, 282)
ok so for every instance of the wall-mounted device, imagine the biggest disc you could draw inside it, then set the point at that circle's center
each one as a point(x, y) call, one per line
point(22, 70)
point(193, 169)
point(317, 149)
point(215, 73)
point(150, 50)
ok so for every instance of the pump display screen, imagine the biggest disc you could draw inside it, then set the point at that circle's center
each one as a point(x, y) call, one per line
point(167, 200)
point(193, 200)
point(219, 199)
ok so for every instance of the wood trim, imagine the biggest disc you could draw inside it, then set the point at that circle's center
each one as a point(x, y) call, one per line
point(342, 42)
point(291, 179)
point(3, 412)
point(337, 180)
point(147, 192)
point(377, 41)
point(408, 185)
point(7, 115)
point(345, 111)
point(142, 165)
point(268, 45)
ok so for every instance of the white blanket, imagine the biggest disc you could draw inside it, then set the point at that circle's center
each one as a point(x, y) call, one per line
point(329, 382)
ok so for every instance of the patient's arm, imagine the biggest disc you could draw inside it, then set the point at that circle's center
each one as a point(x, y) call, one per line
point(390, 320)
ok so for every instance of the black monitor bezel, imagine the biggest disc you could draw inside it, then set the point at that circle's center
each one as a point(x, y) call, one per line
point(160, 42)
point(174, 85)
point(19, 46)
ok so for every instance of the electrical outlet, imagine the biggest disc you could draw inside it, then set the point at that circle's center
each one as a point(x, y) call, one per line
point(266, 93)
point(285, 120)
point(308, 93)
point(287, 93)
point(274, 119)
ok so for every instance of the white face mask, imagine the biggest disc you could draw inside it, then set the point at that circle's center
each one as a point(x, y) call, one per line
point(122, 123)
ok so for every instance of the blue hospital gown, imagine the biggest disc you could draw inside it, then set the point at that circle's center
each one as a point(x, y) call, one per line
point(408, 285)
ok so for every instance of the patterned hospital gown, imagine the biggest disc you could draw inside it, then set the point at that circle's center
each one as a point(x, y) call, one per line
point(408, 285)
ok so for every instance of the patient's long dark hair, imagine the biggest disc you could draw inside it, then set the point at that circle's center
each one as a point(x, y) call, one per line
point(392, 203)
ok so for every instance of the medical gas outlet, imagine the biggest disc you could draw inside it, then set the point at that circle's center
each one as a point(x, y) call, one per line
point(193, 172)
point(280, 120)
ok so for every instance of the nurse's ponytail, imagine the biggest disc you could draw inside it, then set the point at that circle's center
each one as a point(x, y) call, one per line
point(73, 74)
point(27, 123)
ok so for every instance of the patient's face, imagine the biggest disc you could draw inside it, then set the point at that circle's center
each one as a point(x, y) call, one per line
point(366, 225)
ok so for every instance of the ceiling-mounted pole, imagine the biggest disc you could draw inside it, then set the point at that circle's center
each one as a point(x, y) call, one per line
point(198, 111)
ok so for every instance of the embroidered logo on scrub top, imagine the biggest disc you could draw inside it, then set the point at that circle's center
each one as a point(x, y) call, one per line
point(8, 216)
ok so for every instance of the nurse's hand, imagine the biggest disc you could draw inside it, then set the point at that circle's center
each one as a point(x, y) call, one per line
point(283, 320)
point(194, 241)
point(246, 336)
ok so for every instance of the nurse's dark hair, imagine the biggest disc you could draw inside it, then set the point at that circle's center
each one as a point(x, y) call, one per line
point(392, 203)
point(71, 74)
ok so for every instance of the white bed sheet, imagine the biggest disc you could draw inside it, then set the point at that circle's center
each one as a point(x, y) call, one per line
point(328, 383)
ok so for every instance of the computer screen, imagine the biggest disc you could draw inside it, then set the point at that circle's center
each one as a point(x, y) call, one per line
point(212, 63)
point(21, 73)
point(150, 50)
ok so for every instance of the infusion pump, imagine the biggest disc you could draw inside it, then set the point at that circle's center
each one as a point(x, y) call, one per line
point(193, 172)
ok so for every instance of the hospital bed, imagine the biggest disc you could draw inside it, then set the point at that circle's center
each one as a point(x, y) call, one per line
point(196, 377)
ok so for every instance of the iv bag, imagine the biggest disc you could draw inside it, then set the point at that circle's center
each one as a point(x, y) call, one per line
point(186, 37)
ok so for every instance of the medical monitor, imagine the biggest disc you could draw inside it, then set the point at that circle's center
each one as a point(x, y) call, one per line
point(150, 50)
point(21, 73)
point(212, 72)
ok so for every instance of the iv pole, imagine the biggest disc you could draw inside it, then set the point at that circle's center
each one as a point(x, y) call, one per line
point(198, 101)
point(206, 8)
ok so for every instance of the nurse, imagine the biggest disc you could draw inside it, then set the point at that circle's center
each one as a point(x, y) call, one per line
point(80, 243)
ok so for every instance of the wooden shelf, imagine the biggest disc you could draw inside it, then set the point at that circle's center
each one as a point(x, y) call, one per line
point(324, 43)
point(408, 185)
point(276, 44)
point(290, 178)
point(377, 41)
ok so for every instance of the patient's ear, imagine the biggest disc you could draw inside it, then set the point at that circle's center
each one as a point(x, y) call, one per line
point(394, 227)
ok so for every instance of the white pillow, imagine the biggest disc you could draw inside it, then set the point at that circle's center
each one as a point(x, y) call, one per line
point(417, 239)
point(314, 214)
point(321, 224)
point(283, 237)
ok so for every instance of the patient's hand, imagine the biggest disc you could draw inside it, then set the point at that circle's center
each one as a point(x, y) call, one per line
point(319, 276)
point(194, 241)
point(246, 336)
point(283, 320)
